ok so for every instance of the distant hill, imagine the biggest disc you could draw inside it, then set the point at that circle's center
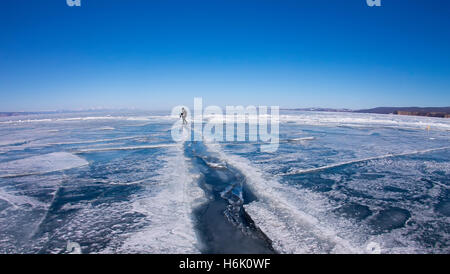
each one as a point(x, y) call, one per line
point(416, 111)
point(443, 112)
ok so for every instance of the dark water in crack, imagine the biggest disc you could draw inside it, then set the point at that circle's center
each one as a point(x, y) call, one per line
point(222, 223)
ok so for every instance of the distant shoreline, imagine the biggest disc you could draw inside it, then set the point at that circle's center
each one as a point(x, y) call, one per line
point(439, 112)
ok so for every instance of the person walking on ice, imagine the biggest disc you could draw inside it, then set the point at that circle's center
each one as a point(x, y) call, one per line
point(183, 115)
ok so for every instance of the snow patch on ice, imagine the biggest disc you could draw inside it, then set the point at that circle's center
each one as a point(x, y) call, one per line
point(41, 164)
point(169, 211)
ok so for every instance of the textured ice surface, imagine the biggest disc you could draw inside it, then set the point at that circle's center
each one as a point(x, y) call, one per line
point(358, 179)
point(117, 190)
point(167, 207)
point(116, 182)
point(291, 229)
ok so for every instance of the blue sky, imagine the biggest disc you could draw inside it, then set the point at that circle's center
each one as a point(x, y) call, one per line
point(156, 54)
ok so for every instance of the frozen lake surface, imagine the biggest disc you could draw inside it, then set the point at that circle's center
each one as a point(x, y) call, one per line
point(117, 183)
